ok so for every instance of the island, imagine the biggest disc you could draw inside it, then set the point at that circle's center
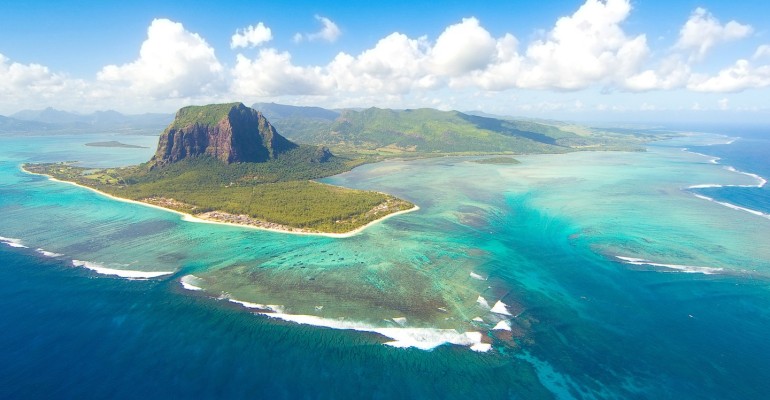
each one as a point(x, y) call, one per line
point(225, 163)
point(498, 161)
point(114, 143)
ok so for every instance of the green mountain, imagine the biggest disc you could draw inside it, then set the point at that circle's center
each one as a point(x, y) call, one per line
point(273, 111)
point(430, 131)
point(228, 132)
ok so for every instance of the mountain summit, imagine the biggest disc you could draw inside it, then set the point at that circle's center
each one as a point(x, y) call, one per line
point(231, 133)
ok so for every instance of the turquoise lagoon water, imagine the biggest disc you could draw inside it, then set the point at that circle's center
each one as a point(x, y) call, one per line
point(604, 274)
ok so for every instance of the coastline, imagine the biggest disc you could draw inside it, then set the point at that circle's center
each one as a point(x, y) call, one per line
point(192, 218)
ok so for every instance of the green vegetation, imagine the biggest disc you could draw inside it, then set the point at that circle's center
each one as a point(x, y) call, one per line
point(203, 115)
point(424, 132)
point(498, 160)
point(275, 194)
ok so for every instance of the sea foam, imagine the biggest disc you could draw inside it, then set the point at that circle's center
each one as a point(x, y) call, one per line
point(502, 326)
point(420, 338)
point(733, 206)
point(268, 307)
point(761, 182)
point(500, 308)
point(48, 253)
point(188, 281)
point(477, 276)
point(403, 337)
point(13, 242)
point(123, 273)
point(690, 269)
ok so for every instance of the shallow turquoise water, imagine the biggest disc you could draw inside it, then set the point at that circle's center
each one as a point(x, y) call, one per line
point(690, 321)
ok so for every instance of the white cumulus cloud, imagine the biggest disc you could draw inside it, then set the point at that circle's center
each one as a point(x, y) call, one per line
point(173, 62)
point(584, 48)
point(33, 85)
point(329, 32)
point(735, 78)
point(273, 74)
point(672, 73)
point(395, 65)
point(703, 31)
point(462, 48)
point(252, 36)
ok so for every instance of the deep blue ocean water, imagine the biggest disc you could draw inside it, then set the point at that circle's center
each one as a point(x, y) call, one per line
point(591, 327)
point(749, 153)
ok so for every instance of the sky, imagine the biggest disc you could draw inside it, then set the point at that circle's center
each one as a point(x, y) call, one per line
point(601, 60)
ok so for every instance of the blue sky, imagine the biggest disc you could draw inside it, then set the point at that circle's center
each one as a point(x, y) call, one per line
point(593, 59)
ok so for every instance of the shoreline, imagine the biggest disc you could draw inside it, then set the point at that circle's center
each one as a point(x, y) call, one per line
point(192, 218)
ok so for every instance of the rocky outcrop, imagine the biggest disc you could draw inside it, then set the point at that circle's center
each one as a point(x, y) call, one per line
point(230, 133)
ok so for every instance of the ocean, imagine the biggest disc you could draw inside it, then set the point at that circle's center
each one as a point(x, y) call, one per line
point(584, 275)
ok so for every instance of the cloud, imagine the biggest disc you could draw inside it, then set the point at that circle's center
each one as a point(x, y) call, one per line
point(462, 48)
point(699, 34)
point(329, 32)
point(395, 65)
point(273, 74)
point(16, 77)
point(252, 36)
point(735, 78)
point(672, 73)
point(762, 51)
point(702, 32)
point(586, 48)
point(172, 63)
point(30, 85)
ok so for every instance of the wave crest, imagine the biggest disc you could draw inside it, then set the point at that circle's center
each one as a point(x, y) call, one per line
point(690, 269)
point(123, 273)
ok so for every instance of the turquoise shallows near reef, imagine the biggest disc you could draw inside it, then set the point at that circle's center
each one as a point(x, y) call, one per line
point(588, 275)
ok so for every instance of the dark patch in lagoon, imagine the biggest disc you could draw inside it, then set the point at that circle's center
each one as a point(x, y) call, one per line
point(113, 143)
point(142, 229)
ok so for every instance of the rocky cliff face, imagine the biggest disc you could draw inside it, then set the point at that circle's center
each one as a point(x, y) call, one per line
point(228, 132)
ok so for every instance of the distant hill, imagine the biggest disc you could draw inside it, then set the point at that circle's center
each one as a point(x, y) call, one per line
point(422, 130)
point(230, 133)
point(49, 115)
point(13, 125)
point(279, 111)
point(426, 131)
point(52, 120)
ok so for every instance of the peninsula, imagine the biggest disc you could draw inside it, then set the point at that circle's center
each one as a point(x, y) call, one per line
point(226, 163)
